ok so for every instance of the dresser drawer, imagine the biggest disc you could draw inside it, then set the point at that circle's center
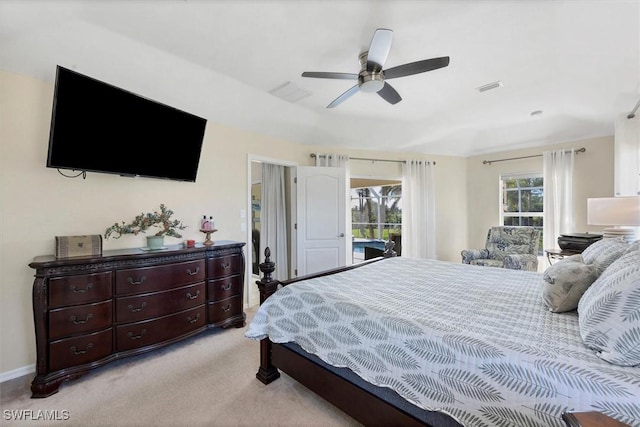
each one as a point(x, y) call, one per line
point(224, 288)
point(70, 290)
point(158, 278)
point(80, 350)
point(64, 322)
point(222, 310)
point(147, 332)
point(140, 307)
point(225, 265)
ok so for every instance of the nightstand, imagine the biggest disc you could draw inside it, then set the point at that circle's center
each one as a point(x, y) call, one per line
point(558, 254)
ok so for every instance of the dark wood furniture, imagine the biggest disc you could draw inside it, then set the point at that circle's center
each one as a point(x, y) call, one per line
point(347, 392)
point(89, 311)
point(558, 254)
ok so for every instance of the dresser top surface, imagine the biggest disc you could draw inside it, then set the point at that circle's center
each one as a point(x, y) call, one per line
point(51, 260)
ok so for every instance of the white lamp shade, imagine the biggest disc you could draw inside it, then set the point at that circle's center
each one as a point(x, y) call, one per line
point(614, 211)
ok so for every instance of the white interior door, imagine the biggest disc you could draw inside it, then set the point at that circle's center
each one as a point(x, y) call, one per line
point(321, 218)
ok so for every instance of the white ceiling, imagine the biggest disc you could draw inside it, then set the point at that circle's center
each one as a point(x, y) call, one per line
point(576, 60)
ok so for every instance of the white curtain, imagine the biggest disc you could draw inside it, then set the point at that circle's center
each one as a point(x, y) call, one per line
point(273, 226)
point(332, 160)
point(418, 210)
point(558, 195)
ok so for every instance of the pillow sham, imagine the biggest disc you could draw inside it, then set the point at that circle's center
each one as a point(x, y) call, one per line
point(609, 311)
point(565, 282)
point(603, 252)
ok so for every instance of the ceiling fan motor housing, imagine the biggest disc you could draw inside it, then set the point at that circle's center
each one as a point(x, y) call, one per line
point(371, 81)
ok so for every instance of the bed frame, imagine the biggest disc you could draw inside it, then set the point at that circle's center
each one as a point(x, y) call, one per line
point(361, 403)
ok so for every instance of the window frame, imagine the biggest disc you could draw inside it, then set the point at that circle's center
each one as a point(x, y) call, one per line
point(502, 193)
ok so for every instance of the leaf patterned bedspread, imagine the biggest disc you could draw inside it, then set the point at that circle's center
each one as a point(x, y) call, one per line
point(474, 342)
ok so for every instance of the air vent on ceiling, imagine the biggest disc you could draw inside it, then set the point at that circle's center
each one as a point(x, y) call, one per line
point(289, 92)
point(489, 86)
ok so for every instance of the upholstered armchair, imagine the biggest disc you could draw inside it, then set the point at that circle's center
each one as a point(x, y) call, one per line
point(507, 247)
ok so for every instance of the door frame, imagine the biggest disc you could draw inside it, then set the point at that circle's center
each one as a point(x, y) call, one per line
point(248, 273)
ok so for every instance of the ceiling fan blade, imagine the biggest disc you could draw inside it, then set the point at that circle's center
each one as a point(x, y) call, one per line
point(324, 75)
point(379, 49)
point(389, 94)
point(416, 67)
point(348, 94)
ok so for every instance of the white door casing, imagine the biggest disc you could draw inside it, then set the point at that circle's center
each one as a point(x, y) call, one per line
point(321, 219)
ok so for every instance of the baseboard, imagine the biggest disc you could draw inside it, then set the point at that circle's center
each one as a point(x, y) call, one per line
point(16, 373)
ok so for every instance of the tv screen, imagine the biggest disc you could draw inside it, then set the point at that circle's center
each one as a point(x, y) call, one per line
point(98, 127)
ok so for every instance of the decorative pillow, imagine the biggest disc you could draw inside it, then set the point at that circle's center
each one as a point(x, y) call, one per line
point(603, 252)
point(565, 282)
point(609, 311)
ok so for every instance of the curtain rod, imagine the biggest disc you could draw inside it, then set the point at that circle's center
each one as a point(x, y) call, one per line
point(314, 155)
point(632, 114)
point(488, 162)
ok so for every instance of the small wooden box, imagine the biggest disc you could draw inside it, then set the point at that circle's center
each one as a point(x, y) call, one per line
point(78, 246)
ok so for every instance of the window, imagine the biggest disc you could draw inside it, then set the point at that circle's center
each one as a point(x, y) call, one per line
point(376, 215)
point(522, 201)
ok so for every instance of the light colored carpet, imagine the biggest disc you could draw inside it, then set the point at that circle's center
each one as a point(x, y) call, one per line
point(207, 380)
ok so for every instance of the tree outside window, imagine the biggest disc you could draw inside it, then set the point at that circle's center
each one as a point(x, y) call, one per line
point(522, 201)
point(376, 212)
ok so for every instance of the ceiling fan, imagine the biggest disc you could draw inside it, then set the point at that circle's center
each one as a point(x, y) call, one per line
point(372, 77)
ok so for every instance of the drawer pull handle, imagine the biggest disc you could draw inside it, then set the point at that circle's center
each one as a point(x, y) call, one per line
point(194, 320)
point(137, 337)
point(226, 308)
point(135, 310)
point(225, 287)
point(75, 289)
point(193, 273)
point(76, 321)
point(225, 265)
point(139, 282)
point(77, 352)
point(193, 296)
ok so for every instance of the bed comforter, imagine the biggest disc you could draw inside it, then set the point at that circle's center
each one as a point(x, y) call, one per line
point(476, 343)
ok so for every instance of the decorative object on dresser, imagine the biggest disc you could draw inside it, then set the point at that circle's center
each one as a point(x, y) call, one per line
point(616, 212)
point(143, 222)
point(207, 239)
point(93, 310)
point(73, 246)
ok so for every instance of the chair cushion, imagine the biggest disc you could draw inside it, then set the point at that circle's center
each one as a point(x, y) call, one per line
point(503, 241)
point(488, 262)
point(609, 311)
point(565, 282)
point(603, 252)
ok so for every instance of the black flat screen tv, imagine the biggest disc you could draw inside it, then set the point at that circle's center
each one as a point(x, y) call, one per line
point(98, 127)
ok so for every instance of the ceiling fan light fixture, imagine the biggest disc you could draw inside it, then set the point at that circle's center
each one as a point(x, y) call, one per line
point(371, 82)
point(489, 86)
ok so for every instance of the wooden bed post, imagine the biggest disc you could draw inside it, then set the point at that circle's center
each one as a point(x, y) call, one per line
point(267, 286)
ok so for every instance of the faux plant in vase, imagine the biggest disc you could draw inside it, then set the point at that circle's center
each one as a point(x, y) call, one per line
point(143, 222)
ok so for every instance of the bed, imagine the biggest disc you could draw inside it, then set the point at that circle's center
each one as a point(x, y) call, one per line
point(402, 341)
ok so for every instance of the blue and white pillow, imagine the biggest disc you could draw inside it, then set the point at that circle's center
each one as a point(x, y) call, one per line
point(609, 311)
point(603, 252)
point(566, 281)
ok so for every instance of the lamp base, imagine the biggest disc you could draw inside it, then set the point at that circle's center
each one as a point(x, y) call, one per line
point(629, 235)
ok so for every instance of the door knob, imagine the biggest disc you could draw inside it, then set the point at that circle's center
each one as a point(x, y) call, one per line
point(341, 235)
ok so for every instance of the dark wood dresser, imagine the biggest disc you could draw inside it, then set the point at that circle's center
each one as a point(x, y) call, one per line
point(90, 311)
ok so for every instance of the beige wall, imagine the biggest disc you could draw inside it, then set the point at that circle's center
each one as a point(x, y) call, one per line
point(37, 203)
point(593, 177)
